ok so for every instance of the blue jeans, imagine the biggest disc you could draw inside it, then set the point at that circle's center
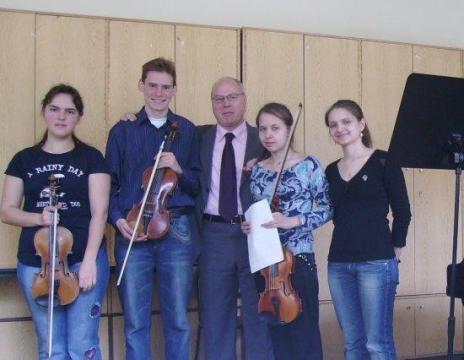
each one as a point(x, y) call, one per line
point(363, 294)
point(75, 326)
point(171, 257)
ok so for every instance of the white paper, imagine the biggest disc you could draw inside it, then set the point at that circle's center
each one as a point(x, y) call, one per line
point(264, 246)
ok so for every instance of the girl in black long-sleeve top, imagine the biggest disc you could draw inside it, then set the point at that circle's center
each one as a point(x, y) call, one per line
point(364, 253)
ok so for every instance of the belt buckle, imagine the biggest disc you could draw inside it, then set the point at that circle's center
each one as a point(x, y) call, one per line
point(237, 219)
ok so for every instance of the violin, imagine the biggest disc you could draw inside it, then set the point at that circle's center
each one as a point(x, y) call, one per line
point(54, 281)
point(151, 216)
point(279, 302)
point(159, 185)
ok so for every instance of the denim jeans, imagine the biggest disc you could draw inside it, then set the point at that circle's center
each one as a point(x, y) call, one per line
point(301, 338)
point(171, 258)
point(75, 326)
point(363, 294)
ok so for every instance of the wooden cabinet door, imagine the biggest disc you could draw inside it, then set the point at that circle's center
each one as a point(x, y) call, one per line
point(434, 192)
point(132, 44)
point(203, 55)
point(17, 108)
point(73, 50)
point(273, 72)
point(432, 326)
point(404, 328)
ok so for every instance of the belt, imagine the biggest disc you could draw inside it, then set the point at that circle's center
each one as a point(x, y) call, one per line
point(237, 219)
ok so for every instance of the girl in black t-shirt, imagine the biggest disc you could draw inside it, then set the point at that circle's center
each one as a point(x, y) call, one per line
point(82, 202)
point(364, 253)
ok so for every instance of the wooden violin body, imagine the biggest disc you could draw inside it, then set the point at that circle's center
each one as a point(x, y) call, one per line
point(53, 244)
point(66, 283)
point(151, 217)
point(156, 220)
point(279, 302)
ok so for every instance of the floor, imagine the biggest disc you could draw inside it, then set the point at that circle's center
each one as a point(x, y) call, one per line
point(455, 357)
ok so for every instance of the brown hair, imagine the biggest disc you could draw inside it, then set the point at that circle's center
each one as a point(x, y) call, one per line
point(280, 111)
point(356, 111)
point(159, 65)
point(76, 99)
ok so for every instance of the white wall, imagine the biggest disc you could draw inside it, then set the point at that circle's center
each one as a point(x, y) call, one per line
point(432, 22)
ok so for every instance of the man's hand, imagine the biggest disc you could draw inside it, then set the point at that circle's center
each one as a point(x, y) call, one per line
point(168, 160)
point(126, 230)
point(128, 117)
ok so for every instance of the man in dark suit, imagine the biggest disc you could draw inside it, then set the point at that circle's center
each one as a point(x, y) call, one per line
point(225, 148)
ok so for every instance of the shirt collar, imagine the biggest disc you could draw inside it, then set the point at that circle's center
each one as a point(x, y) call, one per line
point(239, 132)
point(142, 118)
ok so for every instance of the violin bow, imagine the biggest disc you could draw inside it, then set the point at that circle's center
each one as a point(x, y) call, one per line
point(142, 207)
point(52, 263)
point(287, 148)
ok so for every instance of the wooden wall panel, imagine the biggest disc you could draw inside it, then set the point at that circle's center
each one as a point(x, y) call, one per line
point(432, 324)
point(18, 340)
point(203, 55)
point(434, 192)
point(405, 328)
point(16, 105)
point(73, 50)
point(385, 68)
point(11, 299)
point(273, 71)
point(332, 337)
point(131, 45)
point(332, 72)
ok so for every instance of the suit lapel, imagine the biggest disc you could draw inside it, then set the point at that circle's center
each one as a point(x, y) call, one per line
point(207, 153)
point(251, 150)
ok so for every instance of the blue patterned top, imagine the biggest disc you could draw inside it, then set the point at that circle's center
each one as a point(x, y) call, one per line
point(304, 192)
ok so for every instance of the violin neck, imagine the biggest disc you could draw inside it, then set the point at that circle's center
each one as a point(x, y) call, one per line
point(274, 270)
point(159, 173)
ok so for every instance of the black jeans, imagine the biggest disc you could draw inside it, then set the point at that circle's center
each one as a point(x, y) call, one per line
point(301, 339)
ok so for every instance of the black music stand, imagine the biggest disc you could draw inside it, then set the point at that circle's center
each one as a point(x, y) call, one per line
point(429, 133)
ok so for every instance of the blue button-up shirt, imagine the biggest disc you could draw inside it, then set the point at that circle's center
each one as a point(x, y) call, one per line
point(132, 147)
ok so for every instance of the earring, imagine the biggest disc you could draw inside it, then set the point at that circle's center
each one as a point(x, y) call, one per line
point(362, 134)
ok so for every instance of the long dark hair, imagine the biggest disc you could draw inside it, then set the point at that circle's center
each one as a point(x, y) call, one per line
point(280, 111)
point(356, 111)
point(76, 99)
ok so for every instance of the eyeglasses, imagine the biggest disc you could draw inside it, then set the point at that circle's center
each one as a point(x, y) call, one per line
point(218, 99)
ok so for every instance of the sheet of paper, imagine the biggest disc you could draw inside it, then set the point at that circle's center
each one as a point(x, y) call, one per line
point(264, 246)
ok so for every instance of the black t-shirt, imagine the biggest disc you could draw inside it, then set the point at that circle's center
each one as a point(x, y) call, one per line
point(33, 165)
point(361, 206)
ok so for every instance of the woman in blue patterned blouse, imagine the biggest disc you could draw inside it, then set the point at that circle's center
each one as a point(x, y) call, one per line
point(304, 206)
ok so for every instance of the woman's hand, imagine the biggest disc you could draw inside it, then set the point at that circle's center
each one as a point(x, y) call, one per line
point(87, 274)
point(397, 253)
point(47, 215)
point(246, 227)
point(281, 221)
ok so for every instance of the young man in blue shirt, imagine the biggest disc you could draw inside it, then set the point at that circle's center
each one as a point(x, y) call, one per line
point(131, 148)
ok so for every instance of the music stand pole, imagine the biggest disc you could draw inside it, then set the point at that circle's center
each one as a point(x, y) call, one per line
point(458, 156)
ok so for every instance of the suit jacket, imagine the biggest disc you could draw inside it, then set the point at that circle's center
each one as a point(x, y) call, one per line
point(207, 135)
